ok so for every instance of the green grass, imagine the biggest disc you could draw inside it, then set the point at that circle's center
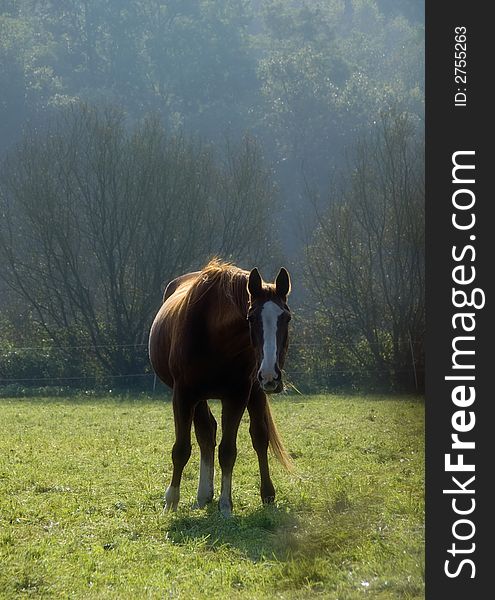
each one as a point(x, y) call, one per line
point(82, 482)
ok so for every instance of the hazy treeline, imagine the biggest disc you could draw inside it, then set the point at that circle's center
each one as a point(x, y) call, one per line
point(365, 265)
point(141, 138)
point(304, 77)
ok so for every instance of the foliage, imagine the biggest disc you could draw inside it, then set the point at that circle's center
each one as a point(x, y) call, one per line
point(81, 514)
point(187, 61)
point(328, 71)
point(198, 89)
point(303, 74)
point(96, 219)
point(365, 265)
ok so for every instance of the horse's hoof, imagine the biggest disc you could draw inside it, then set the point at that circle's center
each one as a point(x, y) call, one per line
point(225, 508)
point(268, 499)
point(202, 502)
point(172, 498)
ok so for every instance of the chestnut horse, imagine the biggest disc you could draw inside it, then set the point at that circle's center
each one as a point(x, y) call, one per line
point(222, 332)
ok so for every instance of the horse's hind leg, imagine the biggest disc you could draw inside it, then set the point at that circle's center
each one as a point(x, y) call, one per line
point(258, 429)
point(205, 428)
point(232, 411)
point(183, 406)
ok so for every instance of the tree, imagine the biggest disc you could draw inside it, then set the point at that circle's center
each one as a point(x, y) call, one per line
point(328, 70)
point(95, 219)
point(366, 259)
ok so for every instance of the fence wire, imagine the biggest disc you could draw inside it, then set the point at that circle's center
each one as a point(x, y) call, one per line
point(291, 375)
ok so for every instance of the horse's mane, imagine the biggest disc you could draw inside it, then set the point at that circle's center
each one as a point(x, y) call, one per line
point(230, 281)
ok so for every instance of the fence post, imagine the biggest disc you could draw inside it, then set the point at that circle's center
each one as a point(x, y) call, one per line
point(413, 360)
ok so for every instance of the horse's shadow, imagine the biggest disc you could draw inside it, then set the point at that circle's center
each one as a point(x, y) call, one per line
point(265, 532)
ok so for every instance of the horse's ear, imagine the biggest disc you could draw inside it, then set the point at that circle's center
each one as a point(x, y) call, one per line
point(282, 283)
point(255, 283)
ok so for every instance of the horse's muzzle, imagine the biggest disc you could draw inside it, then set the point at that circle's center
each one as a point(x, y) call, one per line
point(273, 387)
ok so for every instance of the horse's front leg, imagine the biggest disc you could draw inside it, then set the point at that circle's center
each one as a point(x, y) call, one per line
point(232, 411)
point(183, 405)
point(258, 429)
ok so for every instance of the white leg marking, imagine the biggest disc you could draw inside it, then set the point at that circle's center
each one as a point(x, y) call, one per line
point(172, 496)
point(205, 486)
point(269, 315)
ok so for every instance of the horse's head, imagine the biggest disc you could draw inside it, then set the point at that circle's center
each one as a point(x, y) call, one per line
point(269, 317)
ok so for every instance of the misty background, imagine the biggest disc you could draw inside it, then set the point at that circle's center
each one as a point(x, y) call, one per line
point(139, 139)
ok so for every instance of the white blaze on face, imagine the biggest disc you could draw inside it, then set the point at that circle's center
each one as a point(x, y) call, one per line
point(269, 317)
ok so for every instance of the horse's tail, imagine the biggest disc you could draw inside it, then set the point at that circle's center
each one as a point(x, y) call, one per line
point(275, 441)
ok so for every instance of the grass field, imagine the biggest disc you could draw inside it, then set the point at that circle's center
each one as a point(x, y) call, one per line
point(82, 482)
